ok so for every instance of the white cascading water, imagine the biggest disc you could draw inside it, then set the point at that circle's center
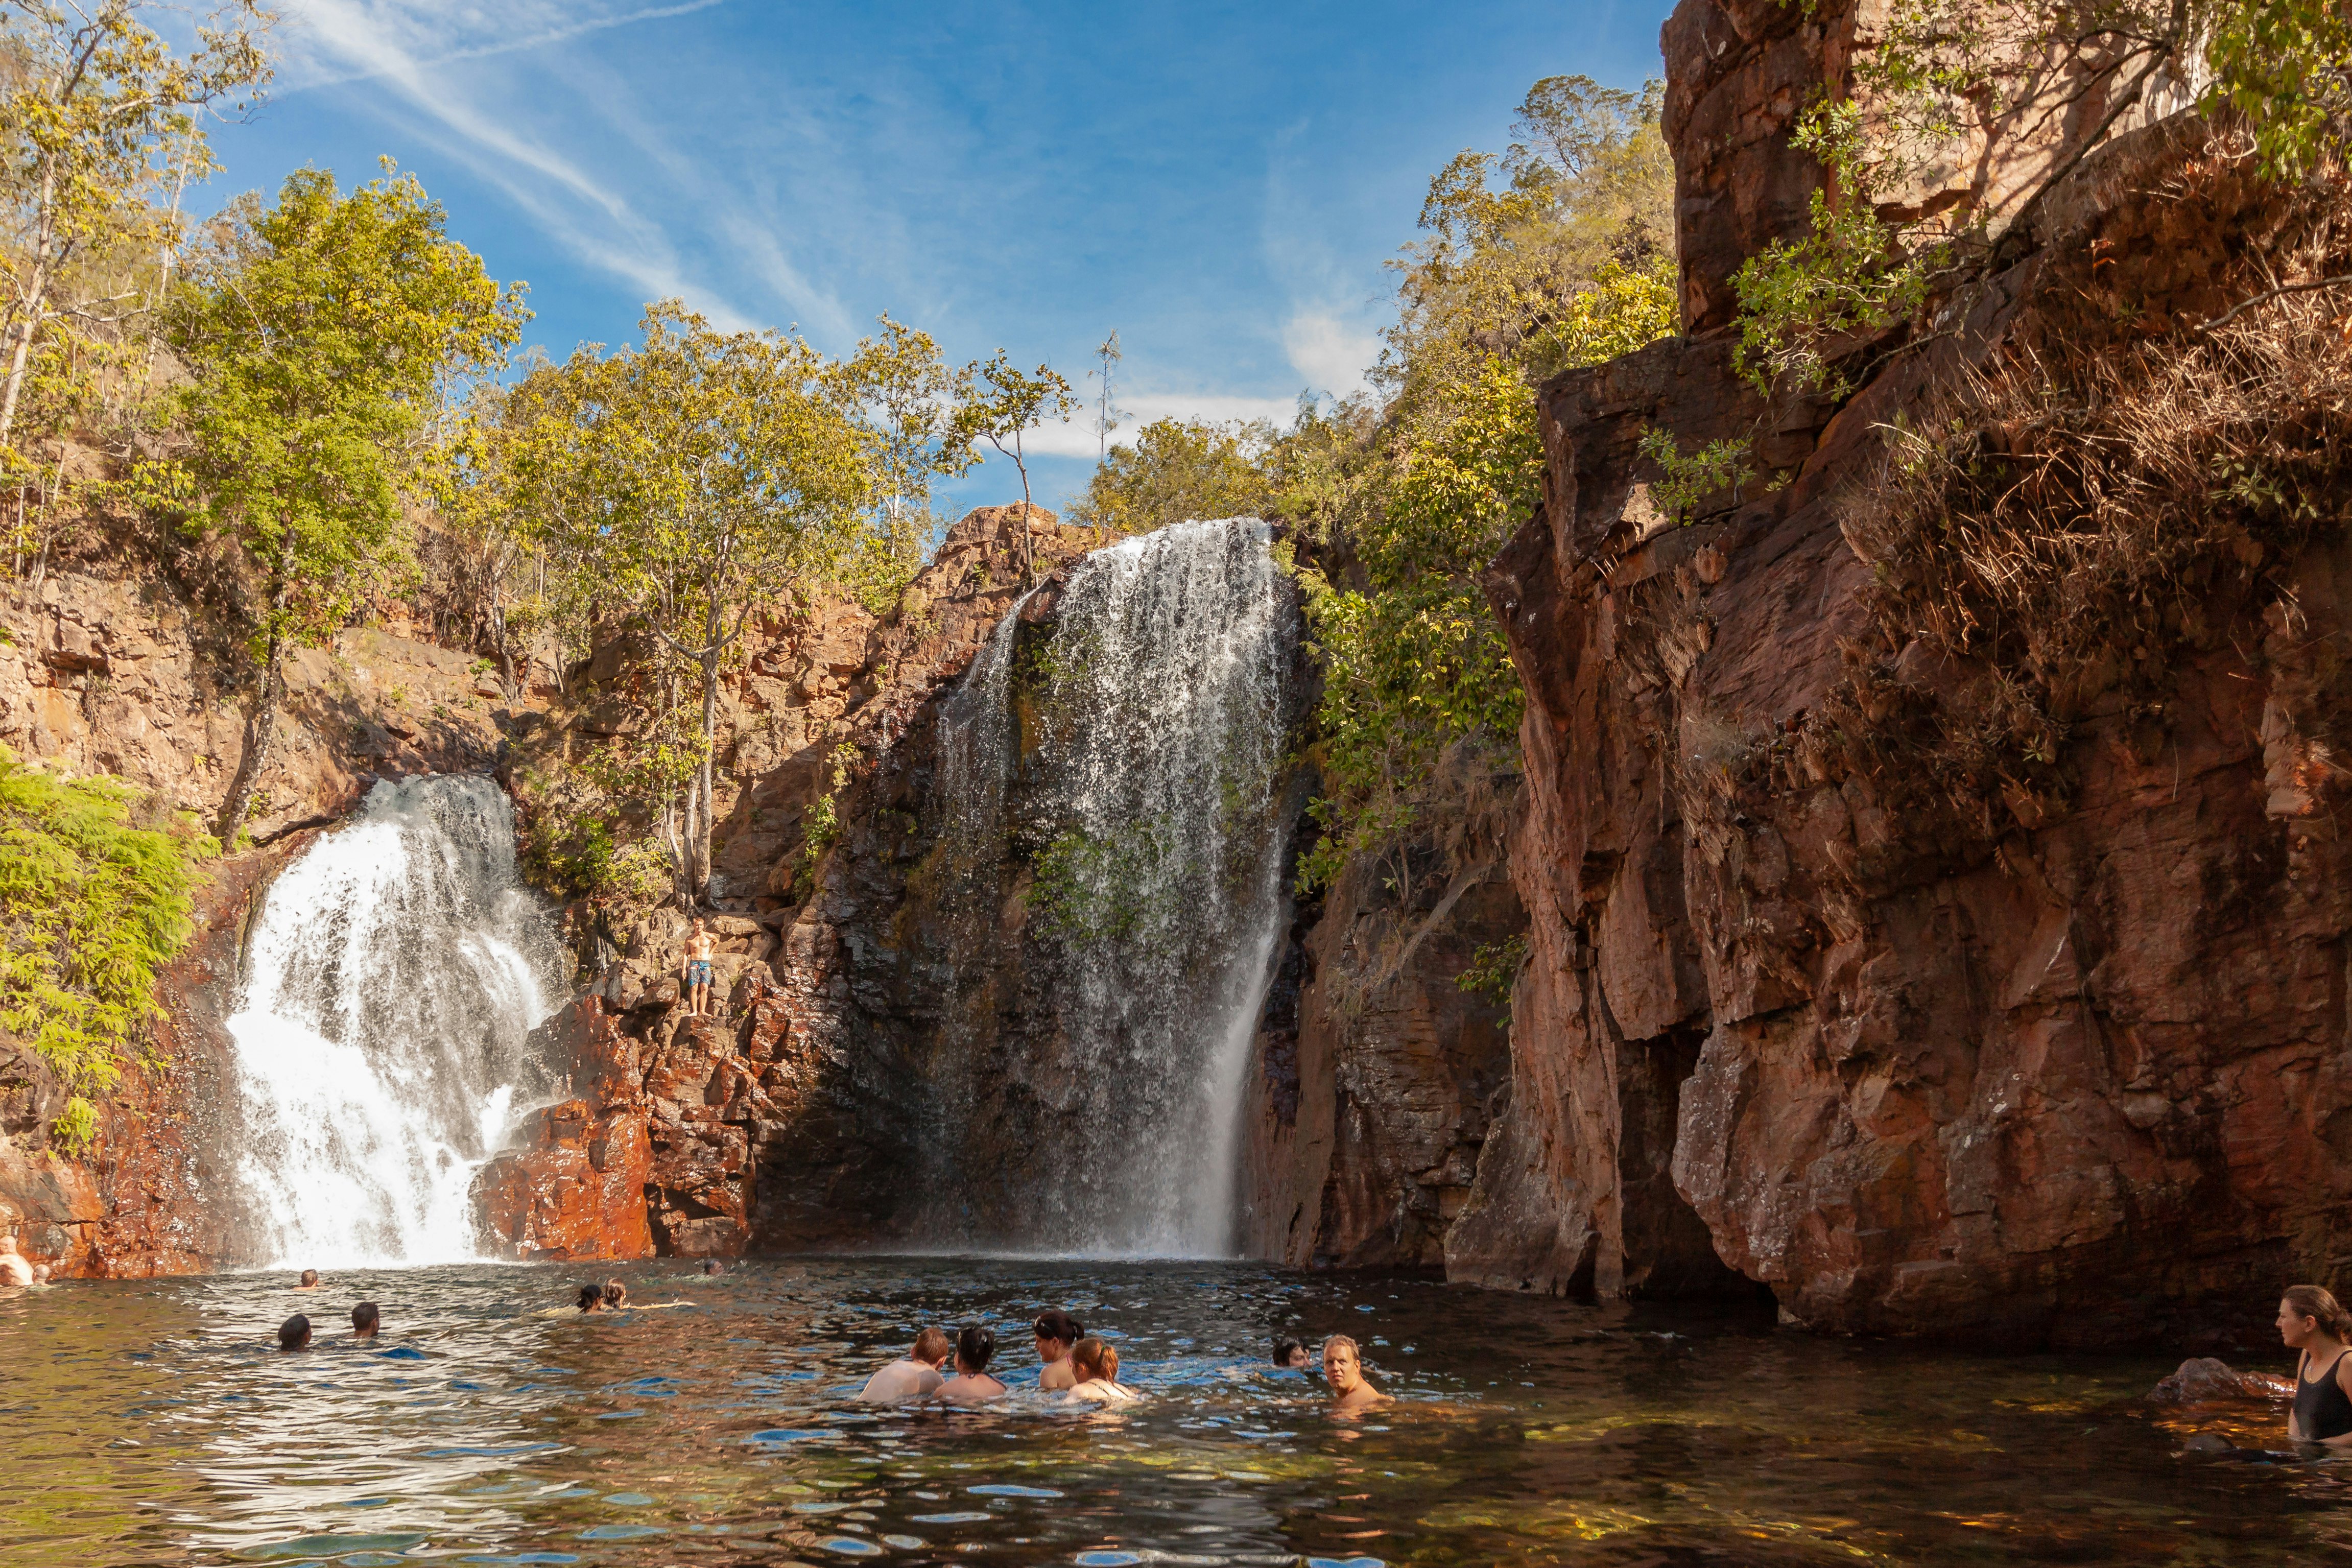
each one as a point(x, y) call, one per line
point(1160, 705)
point(390, 983)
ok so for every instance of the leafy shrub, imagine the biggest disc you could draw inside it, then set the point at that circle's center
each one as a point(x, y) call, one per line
point(94, 901)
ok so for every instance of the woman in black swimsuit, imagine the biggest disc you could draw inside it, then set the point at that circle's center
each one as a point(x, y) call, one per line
point(2311, 1321)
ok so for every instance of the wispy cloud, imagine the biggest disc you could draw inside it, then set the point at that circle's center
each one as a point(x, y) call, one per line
point(408, 48)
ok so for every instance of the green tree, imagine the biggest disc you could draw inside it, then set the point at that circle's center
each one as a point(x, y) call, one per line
point(99, 117)
point(906, 394)
point(320, 337)
point(692, 480)
point(1179, 469)
point(1005, 402)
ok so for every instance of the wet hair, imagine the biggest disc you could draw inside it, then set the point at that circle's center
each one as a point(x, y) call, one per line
point(615, 1293)
point(2317, 1301)
point(591, 1297)
point(1091, 1358)
point(1055, 1324)
point(1343, 1340)
point(294, 1332)
point(932, 1344)
point(364, 1317)
point(309, 1277)
point(975, 1345)
point(1284, 1349)
point(712, 1265)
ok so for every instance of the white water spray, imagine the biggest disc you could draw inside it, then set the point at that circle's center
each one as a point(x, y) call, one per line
point(393, 978)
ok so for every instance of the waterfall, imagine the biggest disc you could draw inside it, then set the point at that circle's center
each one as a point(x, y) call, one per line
point(1132, 758)
point(392, 978)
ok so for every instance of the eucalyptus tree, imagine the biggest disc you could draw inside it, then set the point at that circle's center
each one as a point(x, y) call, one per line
point(692, 481)
point(322, 337)
point(1005, 404)
point(100, 115)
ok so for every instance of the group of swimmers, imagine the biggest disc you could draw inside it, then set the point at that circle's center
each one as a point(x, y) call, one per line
point(1081, 1367)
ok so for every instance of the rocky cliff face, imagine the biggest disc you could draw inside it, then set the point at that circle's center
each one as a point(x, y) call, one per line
point(2039, 1042)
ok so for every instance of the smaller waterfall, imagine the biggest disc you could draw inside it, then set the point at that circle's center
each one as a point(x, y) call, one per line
point(393, 976)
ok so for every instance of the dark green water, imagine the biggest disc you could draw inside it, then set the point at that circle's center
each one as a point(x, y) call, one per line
point(151, 1422)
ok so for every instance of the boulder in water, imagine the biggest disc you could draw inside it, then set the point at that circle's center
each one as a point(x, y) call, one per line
point(2202, 1378)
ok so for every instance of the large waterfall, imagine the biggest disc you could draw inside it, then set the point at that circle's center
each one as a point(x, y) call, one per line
point(1132, 758)
point(392, 978)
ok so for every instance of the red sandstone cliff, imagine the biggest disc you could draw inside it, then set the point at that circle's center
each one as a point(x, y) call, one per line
point(1817, 996)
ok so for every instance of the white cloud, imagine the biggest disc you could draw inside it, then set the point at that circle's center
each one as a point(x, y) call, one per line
point(1332, 354)
point(1077, 438)
point(407, 45)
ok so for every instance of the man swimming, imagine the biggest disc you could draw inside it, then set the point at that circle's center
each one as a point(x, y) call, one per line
point(971, 1384)
point(1056, 1332)
point(1290, 1355)
point(1343, 1369)
point(696, 975)
point(294, 1333)
point(365, 1319)
point(913, 1375)
point(310, 1280)
point(591, 1298)
point(14, 1269)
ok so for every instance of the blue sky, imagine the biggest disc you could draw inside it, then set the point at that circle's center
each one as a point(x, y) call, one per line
point(1218, 183)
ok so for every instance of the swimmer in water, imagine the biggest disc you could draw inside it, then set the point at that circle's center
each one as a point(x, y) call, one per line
point(1097, 1364)
point(364, 1320)
point(616, 1294)
point(310, 1280)
point(1056, 1332)
point(1343, 1369)
point(2311, 1321)
point(591, 1298)
point(971, 1384)
point(1290, 1354)
point(294, 1333)
point(912, 1376)
point(13, 1268)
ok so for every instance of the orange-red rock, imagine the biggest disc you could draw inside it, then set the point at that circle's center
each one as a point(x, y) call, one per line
point(576, 1189)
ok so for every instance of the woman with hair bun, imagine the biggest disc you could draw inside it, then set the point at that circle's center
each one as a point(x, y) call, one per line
point(1056, 1332)
point(1097, 1364)
point(2310, 1321)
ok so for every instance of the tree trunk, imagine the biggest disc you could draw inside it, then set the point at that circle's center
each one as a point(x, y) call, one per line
point(257, 730)
point(699, 847)
point(35, 292)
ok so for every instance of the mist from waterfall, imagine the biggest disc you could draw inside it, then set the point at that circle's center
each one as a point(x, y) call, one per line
point(392, 979)
point(1139, 776)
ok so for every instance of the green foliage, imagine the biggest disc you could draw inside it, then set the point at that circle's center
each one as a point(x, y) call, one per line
point(94, 901)
point(319, 338)
point(2286, 66)
point(1001, 404)
point(1687, 479)
point(1413, 661)
point(1493, 971)
point(1177, 469)
point(1082, 886)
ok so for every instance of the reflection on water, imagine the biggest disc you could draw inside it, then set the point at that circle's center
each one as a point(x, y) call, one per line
point(150, 1423)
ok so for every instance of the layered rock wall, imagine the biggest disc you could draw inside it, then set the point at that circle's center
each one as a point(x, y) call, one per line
point(2069, 1070)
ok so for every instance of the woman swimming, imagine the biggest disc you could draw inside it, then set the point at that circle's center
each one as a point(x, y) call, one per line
point(2310, 1321)
point(1097, 1365)
point(1056, 1332)
point(971, 1384)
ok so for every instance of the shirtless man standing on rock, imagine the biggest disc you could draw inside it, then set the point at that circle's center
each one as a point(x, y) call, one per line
point(696, 975)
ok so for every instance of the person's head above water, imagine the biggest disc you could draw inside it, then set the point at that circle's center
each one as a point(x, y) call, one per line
point(712, 1265)
point(294, 1332)
point(365, 1319)
point(974, 1348)
point(615, 1294)
point(932, 1346)
point(1289, 1353)
point(1092, 1358)
point(1343, 1364)
point(1056, 1332)
point(2309, 1312)
point(591, 1298)
point(310, 1279)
